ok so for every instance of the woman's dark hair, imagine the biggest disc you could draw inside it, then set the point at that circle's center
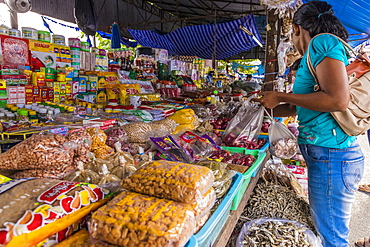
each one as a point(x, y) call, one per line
point(318, 17)
point(295, 65)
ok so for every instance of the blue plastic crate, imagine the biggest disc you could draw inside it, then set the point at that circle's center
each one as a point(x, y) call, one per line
point(192, 242)
point(208, 234)
point(265, 147)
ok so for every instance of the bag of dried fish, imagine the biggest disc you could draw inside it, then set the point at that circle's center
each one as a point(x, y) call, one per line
point(283, 143)
point(276, 232)
point(223, 184)
point(218, 168)
point(96, 164)
point(223, 177)
point(123, 162)
point(276, 172)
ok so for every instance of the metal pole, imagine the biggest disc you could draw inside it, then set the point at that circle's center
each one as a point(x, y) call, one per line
point(14, 19)
point(214, 42)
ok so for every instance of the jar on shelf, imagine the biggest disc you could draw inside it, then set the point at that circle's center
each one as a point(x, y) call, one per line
point(23, 116)
point(11, 116)
point(32, 117)
point(42, 115)
point(2, 117)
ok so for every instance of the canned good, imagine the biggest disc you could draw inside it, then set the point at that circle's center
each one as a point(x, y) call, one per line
point(85, 46)
point(59, 39)
point(74, 42)
point(29, 33)
point(14, 33)
point(43, 36)
point(4, 30)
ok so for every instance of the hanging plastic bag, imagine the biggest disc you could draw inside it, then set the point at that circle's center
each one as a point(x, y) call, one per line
point(283, 143)
point(246, 125)
point(296, 233)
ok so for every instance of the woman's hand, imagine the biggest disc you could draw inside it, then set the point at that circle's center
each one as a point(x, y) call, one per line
point(268, 99)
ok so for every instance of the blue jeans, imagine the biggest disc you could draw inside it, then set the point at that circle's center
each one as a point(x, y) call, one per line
point(333, 178)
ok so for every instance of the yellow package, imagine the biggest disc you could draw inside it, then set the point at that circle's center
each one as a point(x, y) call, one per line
point(113, 92)
point(184, 116)
point(128, 89)
point(102, 82)
point(4, 179)
point(101, 97)
point(132, 219)
point(176, 181)
point(110, 77)
point(79, 239)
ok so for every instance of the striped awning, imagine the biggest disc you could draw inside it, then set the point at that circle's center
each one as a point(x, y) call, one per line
point(199, 40)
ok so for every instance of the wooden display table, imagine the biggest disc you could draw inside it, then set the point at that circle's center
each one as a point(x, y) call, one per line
point(228, 228)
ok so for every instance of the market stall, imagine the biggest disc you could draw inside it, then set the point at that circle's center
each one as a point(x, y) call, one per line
point(133, 147)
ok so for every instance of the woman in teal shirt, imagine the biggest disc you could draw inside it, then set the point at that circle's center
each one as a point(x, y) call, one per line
point(334, 159)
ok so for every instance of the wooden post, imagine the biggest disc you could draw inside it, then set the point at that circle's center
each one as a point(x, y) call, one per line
point(272, 41)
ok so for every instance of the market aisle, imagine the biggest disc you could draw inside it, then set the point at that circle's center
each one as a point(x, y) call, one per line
point(360, 223)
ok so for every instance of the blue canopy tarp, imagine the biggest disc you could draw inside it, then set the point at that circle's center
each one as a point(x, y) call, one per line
point(199, 40)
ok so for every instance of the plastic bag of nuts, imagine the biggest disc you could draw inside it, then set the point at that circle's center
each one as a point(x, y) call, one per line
point(115, 135)
point(200, 221)
point(83, 141)
point(38, 173)
point(133, 219)
point(176, 181)
point(205, 204)
point(167, 125)
point(137, 131)
point(45, 151)
point(98, 146)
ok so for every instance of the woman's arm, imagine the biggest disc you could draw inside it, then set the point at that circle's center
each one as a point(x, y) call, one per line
point(334, 94)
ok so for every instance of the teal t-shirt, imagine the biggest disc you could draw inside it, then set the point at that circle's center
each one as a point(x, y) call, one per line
point(319, 128)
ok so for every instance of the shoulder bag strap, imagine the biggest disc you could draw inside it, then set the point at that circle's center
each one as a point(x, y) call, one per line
point(309, 62)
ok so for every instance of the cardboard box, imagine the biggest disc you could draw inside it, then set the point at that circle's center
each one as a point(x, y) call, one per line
point(40, 46)
point(82, 84)
point(14, 51)
point(12, 92)
point(42, 59)
point(36, 91)
point(12, 101)
point(29, 91)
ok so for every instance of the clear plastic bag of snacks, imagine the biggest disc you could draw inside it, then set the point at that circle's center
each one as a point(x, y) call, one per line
point(44, 151)
point(176, 181)
point(143, 220)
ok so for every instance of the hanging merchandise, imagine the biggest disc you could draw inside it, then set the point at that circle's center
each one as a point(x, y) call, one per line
point(282, 58)
point(284, 8)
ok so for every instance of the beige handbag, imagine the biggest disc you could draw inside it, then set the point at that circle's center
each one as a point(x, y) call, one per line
point(355, 120)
